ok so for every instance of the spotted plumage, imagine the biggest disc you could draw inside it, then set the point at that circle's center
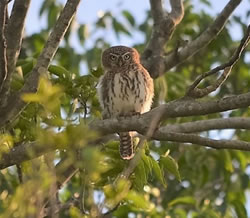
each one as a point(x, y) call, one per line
point(125, 88)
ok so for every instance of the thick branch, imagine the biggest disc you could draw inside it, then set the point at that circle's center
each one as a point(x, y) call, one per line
point(3, 58)
point(204, 39)
point(205, 125)
point(178, 108)
point(164, 25)
point(14, 34)
point(23, 152)
point(196, 139)
point(15, 104)
point(177, 11)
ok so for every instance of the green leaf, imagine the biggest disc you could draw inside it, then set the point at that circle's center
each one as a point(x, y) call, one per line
point(59, 71)
point(27, 67)
point(31, 97)
point(53, 12)
point(97, 72)
point(82, 33)
point(242, 158)
point(158, 172)
point(129, 17)
point(147, 163)
point(119, 27)
point(140, 176)
point(226, 158)
point(182, 200)
point(169, 163)
point(239, 209)
point(138, 200)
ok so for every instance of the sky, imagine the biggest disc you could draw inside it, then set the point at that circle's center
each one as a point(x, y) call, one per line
point(89, 9)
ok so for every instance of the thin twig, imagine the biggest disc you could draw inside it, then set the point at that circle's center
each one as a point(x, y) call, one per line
point(195, 92)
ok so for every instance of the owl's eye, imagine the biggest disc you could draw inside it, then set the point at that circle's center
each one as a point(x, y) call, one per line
point(112, 57)
point(127, 56)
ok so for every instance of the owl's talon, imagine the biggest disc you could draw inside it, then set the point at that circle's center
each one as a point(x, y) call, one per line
point(137, 114)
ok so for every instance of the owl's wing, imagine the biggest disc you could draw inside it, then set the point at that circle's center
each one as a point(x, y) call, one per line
point(102, 89)
point(99, 88)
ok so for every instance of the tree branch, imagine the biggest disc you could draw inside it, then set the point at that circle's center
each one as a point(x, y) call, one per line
point(24, 152)
point(179, 108)
point(198, 140)
point(3, 58)
point(15, 104)
point(14, 34)
point(164, 25)
point(177, 11)
point(206, 125)
point(203, 40)
point(195, 92)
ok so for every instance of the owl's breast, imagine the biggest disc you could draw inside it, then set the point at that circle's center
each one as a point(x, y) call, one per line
point(128, 93)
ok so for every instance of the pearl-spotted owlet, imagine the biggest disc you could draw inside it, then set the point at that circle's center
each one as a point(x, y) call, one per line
point(126, 88)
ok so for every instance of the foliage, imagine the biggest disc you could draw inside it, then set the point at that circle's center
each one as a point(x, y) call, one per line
point(170, 180)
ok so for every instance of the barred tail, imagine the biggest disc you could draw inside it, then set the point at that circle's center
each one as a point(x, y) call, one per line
point(126, 146)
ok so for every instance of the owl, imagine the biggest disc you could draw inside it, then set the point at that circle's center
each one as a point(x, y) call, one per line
point(125, 89)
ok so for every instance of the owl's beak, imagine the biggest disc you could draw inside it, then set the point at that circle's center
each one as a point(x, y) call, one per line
point(120, 62)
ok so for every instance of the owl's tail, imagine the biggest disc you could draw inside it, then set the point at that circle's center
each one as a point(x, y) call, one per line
point(126, 145)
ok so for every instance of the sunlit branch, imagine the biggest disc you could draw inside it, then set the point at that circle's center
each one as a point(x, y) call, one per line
point(14, 35)
point(15, 104)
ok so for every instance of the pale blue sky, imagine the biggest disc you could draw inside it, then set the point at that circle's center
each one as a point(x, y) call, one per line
point(89, 9)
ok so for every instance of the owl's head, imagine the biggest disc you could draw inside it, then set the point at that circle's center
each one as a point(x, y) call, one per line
point(119, 57)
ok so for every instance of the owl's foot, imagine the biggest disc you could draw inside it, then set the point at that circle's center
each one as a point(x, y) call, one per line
point(137, 114)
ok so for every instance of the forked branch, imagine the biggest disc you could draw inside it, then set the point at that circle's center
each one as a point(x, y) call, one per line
point(164, 26)
point(15, 104)
point(175, 58)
